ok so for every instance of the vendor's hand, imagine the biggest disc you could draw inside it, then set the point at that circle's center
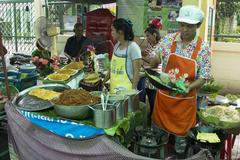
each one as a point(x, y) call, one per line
point(54, 58)
point(35, 59)
point(45, 61)
point(55, 67)
point(40, 60)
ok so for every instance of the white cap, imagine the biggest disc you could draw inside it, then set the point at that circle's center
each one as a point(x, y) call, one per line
point(190, 14)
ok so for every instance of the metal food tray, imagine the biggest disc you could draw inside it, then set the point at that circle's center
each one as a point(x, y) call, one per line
point(26, 102)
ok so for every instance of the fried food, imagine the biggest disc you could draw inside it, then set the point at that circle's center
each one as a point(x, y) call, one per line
point(92, 81)
point(75, 65)
point(67, 71)
point(91, 76)
point(76, 97)
point(58, 77)
point(44, 94)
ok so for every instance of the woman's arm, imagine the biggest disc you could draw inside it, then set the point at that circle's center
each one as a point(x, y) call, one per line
point(154, 62)
point(196, 84)
point(136, 71)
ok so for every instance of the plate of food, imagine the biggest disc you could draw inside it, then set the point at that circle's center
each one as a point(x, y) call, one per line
point(159, 80)
point(58, 77)
point(38, 98)
point(44, 94)
point(223, 117)
point(74, 103)
point(74, 65)
point(91, 78)
point(70, 72)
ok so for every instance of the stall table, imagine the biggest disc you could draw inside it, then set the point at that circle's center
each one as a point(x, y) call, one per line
point(29, 141)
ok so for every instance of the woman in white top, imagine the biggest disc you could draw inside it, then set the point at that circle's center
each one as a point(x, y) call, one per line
point(126, 59)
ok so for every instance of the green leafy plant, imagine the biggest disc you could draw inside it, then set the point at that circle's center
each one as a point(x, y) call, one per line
point(211, 87)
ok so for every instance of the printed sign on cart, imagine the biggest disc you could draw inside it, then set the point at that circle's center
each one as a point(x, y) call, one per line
point(62, 127)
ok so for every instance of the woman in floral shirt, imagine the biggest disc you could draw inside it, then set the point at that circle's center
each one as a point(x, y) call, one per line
point(184, 55)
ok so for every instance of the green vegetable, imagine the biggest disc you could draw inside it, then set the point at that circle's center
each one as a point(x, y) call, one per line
point(164, 77)
point(157, 79)
point(181, 86)
point(211, 87)
point(232, 97)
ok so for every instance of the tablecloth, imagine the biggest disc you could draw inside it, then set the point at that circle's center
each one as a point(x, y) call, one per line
point(31, 142)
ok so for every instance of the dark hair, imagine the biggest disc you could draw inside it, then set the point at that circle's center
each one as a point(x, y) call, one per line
point(125, 26)
point(152, 29)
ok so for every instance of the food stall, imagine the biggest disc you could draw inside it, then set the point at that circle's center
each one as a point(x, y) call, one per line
point(92, 124)
point(31, 132)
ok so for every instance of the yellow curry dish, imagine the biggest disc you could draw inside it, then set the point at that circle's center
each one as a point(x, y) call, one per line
point(74, 65)
point(44, 94)
point(67, 71)
point(58, 77)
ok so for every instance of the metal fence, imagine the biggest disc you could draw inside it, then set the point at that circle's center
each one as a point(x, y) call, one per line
point(16, 25)
point(56, 11)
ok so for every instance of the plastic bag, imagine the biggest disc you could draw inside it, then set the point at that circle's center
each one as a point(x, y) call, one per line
point(101, 63)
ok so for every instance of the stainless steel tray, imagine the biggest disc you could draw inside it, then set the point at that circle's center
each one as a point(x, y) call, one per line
point(26, 102)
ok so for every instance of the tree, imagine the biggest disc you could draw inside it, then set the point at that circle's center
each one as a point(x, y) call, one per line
point(226, 16)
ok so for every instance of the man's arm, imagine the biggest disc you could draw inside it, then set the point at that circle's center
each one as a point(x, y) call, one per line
point(67, 50)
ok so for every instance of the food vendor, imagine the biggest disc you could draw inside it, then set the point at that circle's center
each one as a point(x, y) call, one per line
point(41, 59)
point(153, 43)
point(74, 45)
point(183, 54)
point(126, 60)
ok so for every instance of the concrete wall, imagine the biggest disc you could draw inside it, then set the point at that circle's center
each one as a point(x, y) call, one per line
point(226, 65)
